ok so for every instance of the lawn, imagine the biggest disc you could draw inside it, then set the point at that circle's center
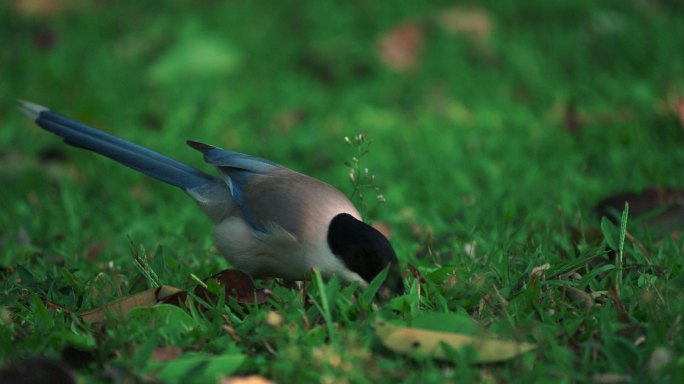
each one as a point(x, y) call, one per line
point(495, 130)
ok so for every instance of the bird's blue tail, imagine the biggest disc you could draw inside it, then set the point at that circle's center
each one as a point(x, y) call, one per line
point(131, 155)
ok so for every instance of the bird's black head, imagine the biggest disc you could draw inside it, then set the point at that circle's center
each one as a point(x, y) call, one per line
point(364, 250)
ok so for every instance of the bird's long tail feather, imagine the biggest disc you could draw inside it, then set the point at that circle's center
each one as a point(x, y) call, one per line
point(131, 155)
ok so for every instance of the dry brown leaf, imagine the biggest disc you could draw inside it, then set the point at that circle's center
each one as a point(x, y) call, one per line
point(274, 319)
point(660, 357)
point(140, 194)
point(474, 23)
point(679, 110)
point(400, 47)
point(580, 297)
point(124, 305)
point(572, 119)
point(539, 270)
point(640, 203)
point(611, 378)
point(237, 285)
point(288, 119)
point(253, 379)
point(426, 343)
point(95, 249)
point(38, 7)
point(5, 316)
point(166, 353)
point(669, 202)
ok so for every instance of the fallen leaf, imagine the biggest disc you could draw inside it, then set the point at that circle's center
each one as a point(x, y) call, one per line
point(611, 378)
point(274, 319)
point(5, 316)
point(94, 250)
point(538, 271)
point(660, 357)
point(38, 7)
point(237, 285)
point(582, 298)
point(425, 343)
point(166, 353)
point(572, 120)
point(123, 306)
point(672, 104)
point(400, 48)
point(253, 379)
point(288, 119)
point(140, 194)
point(661, 208)
point(474, 23)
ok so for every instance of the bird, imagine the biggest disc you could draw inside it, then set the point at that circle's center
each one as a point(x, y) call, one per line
point(270, 221)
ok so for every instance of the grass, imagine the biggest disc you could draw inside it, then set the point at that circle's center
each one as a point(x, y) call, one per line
point(483, 179)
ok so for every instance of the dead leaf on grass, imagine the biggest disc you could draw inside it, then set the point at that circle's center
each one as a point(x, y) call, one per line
point(474, 23)
point(673, 105)
point(611, 378)
point(166, 353)
point(660, 357)
point(274, 319)
point(237, 285)
point(38, 7)
point(425, 343)
point(400, 47)
point(95, 250)
point(572, 119)
point(253, 379)
point(538, 271)
point(124, 305)
point(583, 299)
point(661, 207)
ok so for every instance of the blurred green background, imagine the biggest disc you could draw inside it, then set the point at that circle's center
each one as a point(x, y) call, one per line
point(465, 104)
point(493, 124)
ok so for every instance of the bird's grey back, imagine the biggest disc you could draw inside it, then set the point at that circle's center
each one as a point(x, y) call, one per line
point(300, 204)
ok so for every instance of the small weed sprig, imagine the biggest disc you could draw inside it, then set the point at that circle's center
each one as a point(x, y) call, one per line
point(360, 177)
point(143, 265)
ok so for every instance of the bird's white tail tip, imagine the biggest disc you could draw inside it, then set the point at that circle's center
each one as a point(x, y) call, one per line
point(31, 110)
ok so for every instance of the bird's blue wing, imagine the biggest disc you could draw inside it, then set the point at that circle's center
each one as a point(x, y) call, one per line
point(238, 169)
point(239, 161)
